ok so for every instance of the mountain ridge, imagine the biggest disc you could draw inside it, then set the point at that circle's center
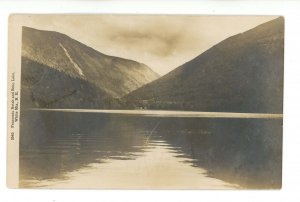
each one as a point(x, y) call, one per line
point(245, 57)
point(61, 52)
point(74, 75)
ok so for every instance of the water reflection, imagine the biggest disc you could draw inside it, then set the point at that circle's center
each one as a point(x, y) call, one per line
point(55, 143)
point(243, 151)
point(58, 145)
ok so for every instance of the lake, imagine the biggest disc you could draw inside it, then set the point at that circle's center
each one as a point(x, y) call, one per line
point(149, 150)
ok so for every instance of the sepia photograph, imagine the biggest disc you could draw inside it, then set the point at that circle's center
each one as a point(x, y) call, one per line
point(117, 101)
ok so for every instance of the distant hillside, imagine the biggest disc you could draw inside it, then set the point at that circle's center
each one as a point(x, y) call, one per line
point(62, 65)
point(46, 87)
point(243, 73)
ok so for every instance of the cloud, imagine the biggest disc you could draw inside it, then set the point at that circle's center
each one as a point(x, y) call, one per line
point(145, 32)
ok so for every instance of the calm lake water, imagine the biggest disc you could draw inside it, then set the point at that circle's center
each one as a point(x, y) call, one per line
point(100, 150)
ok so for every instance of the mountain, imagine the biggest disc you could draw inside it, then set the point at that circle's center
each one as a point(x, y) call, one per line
point(58, 71)
point(243, 73)
point(46, 87)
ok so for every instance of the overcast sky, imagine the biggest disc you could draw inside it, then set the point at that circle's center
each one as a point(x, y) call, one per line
point(161, 42)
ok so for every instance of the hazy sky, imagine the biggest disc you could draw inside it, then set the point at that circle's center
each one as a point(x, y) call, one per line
point(161, 42)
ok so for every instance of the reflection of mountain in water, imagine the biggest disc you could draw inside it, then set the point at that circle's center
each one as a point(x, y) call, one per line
point(55, 143)
point(245, 152)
